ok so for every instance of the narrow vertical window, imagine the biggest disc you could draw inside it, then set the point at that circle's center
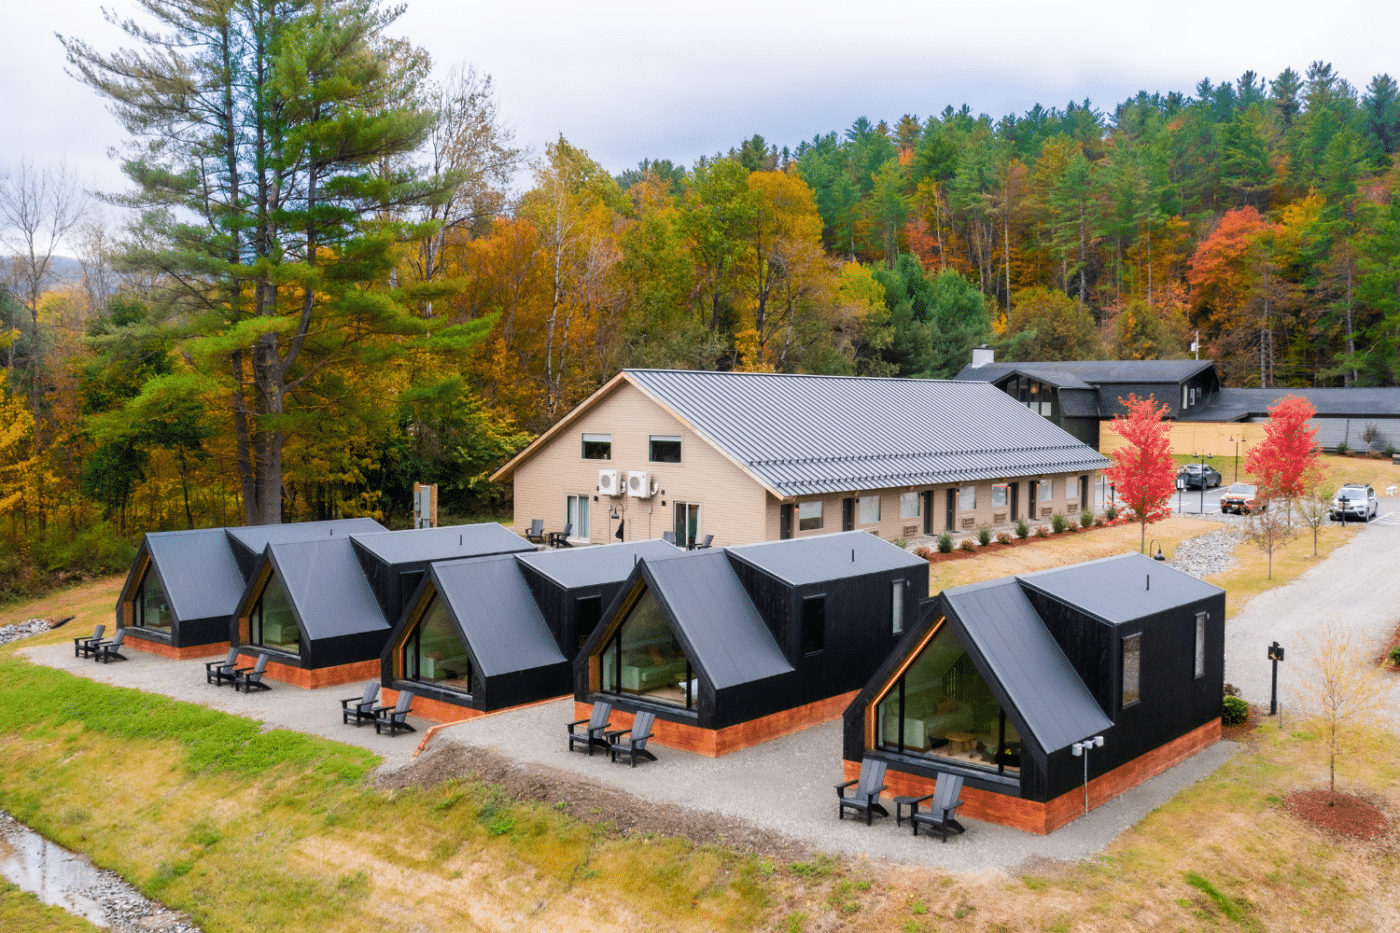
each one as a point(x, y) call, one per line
point(897, 607)
point(1132, 669)
point(813, 624)
point(1200, 645)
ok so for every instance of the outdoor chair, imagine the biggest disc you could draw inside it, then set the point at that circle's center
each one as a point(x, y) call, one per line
point(105, 651)
point(536, 533)
point(867, 794)
point(216, 672)
point(250, 677)
point(701, 545)
point(944, 805)
point(394, 717)
point(361, 707)
point(636, 742)
point(669, 537)
point(82, 645)
point(597, 729)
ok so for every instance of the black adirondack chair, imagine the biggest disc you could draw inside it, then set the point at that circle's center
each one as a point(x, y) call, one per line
point(110, 650)
point(394, 717)
point(561, 538)
point(247, 678)
point(866, 798)
point(635, 742)
point(536, 533)
point(361, 707)
point(82, 645)
point(943, 805)
point(216, 672)
point(597, 725)
point(701, 545)
point(669, 537)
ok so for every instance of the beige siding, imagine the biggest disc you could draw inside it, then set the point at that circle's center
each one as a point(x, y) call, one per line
point(731, 503)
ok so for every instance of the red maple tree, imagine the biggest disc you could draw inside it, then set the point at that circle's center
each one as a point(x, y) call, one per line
point(1289, 453)
point(1143, 472)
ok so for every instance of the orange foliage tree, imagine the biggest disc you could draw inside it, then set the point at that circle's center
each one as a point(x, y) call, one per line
point(1143, 472)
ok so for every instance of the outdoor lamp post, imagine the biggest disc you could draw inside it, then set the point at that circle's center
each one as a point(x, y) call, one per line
point(1237, 441)
point(1275, 655)
point(1159, 555)
point(1202, 458)
point(1081, 750)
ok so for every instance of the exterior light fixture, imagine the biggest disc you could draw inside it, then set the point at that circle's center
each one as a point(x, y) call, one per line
point(1081, 750)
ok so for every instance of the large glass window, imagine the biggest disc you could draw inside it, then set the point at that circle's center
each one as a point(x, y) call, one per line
point(909, 505)
point(967, 499)
point(1047, 490)
point(272, 624)
point(665, 449)
point(597, 447)
point(1132, 669)
point(576, 514)
point(869, 510)
point(809, 516)
point(942, 708)
point(151, 606)
point(687, 524)
point(434, 652)
point(644, 659)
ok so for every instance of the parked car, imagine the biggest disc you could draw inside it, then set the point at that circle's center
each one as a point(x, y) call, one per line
point(1355, 502)
point(1193, 475)
point(1240, 499)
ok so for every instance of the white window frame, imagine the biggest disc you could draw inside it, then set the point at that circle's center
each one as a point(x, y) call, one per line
point(595, 439)
point(651, 443)
point(1046, 490)
point(867, 510)
point(906, 499)
point(967, 499)
point(1000, 495)
point(572, 515)
point(810, 511)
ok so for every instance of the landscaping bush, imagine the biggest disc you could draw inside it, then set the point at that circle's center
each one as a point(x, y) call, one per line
point(1111, 512)
point(900, 543)
point(1233, 711)
point(1389, 451)
point(923, 552)
point(1023, 528)
point(967, 545)
point(984, 535)
point(1042, 531)
point(1003, 538)
point(1342, 448)
point(1395, 655)
point(1086, 519)
point(1059, 523)
point(945, 543)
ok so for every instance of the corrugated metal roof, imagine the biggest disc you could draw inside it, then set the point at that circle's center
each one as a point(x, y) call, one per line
point(1081, 373)
point(801, 561)
point(256, 538)
point(589, 566)
point(812, 435)
point(452, 541)
point(327, 587)
point(719, 622)
point(197, 569)
point(1238, 404)
point(495, 611)
point(1115, 589)
point(1043, 688)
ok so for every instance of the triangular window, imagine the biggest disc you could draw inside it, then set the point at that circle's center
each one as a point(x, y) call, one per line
point(434, 653)
point(272, 624)
point(644, 659)
point(151, 607)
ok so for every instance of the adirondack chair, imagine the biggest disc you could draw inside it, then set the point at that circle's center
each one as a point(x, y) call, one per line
point(536, 533)
point(867, 794)
point(669, 537)
point(250, 677)
point(82, 645)
point(701, 545)
point(943, 806)
point(561, 538)
point(597, 724)
point(636, 742)
point(109, 650)
point(394, 717)
point(361, 707)
point(216, 672)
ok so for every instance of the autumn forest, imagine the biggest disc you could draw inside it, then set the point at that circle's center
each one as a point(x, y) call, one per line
point(325, 282)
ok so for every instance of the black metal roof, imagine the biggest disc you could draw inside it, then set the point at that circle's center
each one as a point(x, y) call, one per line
point(256, 538)
point(1239, 404)
point(1117, 590)
point(590, 566)
point(801, 561)
point(496, 614)
point(326, 587)
point(809, 435)
point(197, 570)
point(725, 636)
point(452, 541)
point(1079, 403)
point(1084, 373)
point(996, 622)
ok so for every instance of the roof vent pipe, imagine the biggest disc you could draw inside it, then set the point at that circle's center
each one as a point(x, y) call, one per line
point(853, 555)
point(1149, 581)
point(459, 540)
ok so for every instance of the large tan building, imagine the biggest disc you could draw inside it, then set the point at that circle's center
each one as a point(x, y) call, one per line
point(750, 457)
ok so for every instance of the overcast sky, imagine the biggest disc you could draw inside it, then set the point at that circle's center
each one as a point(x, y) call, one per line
point(628, 81)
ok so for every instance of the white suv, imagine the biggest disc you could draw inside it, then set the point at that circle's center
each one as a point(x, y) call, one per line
point(1355, 502)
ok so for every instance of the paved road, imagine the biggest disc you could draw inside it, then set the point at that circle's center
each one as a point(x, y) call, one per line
point(1359, 584)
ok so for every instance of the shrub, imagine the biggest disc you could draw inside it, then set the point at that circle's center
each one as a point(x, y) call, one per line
point(1042, 531)
point(1059, 523)
point(1395, 655)
point(1233, 711)
point(1086, 519)
point(945, 543)
point(1003, 538)
point(967, 545)
point(1111, 513)
point(1389, 450)
point(899, 543)
point(1023, 528)
point(984, 535)
point(1342, 448)
point(1099, 521)
point(923, 552)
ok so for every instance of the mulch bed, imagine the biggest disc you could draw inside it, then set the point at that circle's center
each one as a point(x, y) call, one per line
point(1239, 731)
point(934, 557)
point(1344, 814)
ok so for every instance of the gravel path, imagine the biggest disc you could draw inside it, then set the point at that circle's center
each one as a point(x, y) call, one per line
point(1208, 554)
point(1359, 584)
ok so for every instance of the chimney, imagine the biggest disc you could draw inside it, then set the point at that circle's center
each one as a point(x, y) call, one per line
point(983, 355)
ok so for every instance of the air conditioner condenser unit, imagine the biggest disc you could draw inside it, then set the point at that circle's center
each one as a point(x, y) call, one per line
point(610, 482)
point(639, 484)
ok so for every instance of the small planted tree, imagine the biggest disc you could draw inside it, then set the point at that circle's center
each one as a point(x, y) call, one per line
point(1143, 471)
point(1338, 684)
point(1315, 505)
point(1282, 460)
point(1268, 526)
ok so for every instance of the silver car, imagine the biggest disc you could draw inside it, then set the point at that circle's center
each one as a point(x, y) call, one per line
point(1355, 502)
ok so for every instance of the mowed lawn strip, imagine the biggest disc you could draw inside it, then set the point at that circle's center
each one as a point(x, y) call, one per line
point(22, 912)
